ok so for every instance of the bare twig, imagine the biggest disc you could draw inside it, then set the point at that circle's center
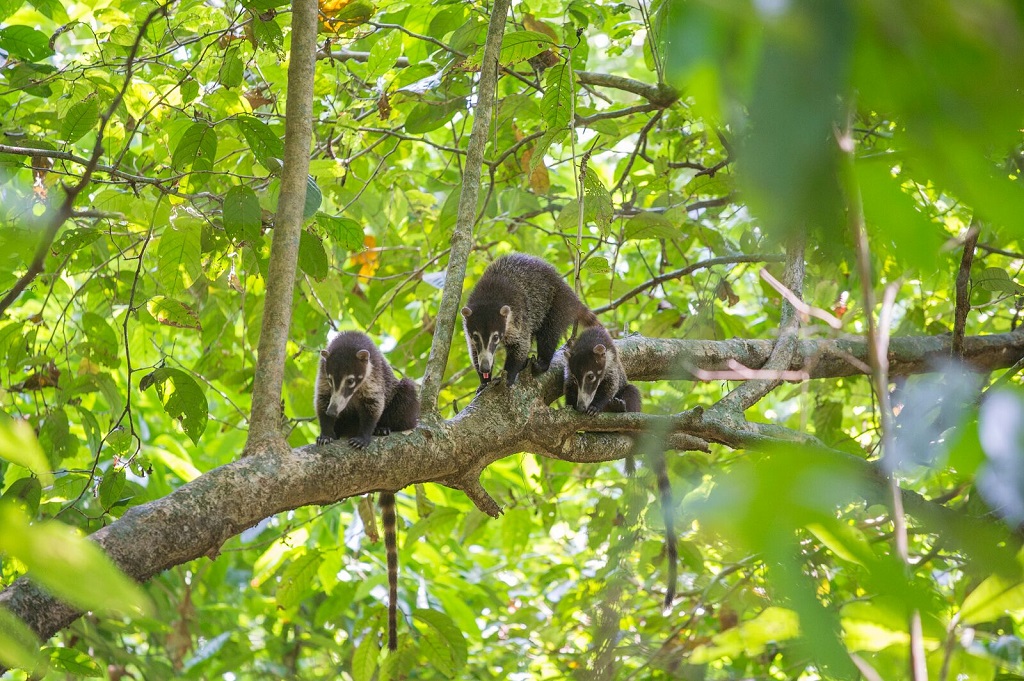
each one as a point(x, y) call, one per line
point(682, 272)
point(462, 236)
point(963, 294)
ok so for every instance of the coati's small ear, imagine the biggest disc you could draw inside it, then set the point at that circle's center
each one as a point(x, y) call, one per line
point(505, 310)
point(600, 349)
point(324, 354)
point(363, 355)
point(466, 312)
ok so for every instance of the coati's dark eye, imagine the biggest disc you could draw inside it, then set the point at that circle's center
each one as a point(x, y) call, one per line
point(350, 381)
point(495, 337)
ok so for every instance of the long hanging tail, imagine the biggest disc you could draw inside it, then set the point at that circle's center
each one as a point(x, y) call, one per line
point(389, 519)
point(667, 507)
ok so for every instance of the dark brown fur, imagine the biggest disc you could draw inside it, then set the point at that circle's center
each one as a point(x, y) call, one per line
point(519, 298)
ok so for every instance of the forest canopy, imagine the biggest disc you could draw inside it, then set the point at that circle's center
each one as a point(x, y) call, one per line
point(800, 222)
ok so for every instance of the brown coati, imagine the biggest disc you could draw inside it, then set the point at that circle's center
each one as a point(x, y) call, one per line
point(357, 396)
point(519, 298)
point(595, 381)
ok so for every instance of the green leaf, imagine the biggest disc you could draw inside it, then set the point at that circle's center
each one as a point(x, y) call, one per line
point(997, 279)
point(263, 142)
point(18, 444)
point(344, 233)
point(751, 638)
point(425, 116)
point(178, 256)
point(170, 312)
point(312, 257)
point(442, 643)
point(992, 599)
point(364, 660)
point(80, 119)
point(182, 398)
point(243, 217)
point(23, 42)
point(19, 646)
point(556, 104)
point(516, 47)
point(196, 149)
point(650, 226)
point(297, 580)
point(597, 265)
point(111, 488)
point(314, 197)
point(231, 69)
point(26, 492)
point(75, 662)
point(74, 239)
point(69, 566)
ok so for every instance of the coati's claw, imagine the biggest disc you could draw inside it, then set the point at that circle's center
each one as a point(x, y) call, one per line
point(382, 431)
point(591, 410)
point(324, 440)
point(358, 442)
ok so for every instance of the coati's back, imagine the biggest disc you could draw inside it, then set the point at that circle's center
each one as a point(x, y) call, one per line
point(519, 298)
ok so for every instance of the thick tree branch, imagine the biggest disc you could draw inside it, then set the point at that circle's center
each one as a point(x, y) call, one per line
point(196, 519)
point(284, 250)
point(462, 236)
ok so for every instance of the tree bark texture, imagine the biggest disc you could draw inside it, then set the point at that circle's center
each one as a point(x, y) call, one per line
point(196, 519)
point(284, 250)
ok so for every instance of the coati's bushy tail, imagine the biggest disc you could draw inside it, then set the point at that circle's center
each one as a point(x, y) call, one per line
point(667, 511)
point(389, 519)
point(588, 318)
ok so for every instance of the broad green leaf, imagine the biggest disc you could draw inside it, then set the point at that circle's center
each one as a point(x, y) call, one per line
point(312, 257)
point(262, 140)
point(772, 625)
point(111, 488)
point(69, 566)
point(556, 104)
point(178, 256)
point(80, 119)
point(425, 117)
point(516, 47)
point(297, 580)
point(442, 642)
point(170, 312)
point(231, 69)
point(182, 398)
point(314, 197)
point(197, 148)
point(997, 279)
point(597, 265)
point(344, 233)
point(75, 662)
point(23, 42)
point(19, 646)
point(26, 492)
point(18, 445)
point(992, 599)
point(364, 660)
point(649, 225)
point(243, 217)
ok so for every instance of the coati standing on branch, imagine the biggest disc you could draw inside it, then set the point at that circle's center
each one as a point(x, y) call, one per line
point(595, 381)
point(519, 298)
point(357, 396)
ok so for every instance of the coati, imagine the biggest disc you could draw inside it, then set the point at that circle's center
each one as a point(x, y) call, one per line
point(357, 396)
point(519, 298)
point(595, 381)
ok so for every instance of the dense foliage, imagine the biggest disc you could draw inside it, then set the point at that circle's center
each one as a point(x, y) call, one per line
point(659, 154)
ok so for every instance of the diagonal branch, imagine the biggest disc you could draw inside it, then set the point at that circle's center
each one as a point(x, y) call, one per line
point(284, 250)
point(462, 236)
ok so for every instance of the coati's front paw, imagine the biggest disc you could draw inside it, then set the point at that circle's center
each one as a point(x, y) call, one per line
point(539, 366)
point(591, 410)
point(324, 440)
point(359, 442)
point(381, 430)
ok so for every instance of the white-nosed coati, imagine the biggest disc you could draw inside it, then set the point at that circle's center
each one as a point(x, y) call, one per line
point(519, 298)
point(357, 396)
point(595, 381)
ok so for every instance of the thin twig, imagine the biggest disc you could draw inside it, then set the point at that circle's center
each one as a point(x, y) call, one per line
point(963, 293)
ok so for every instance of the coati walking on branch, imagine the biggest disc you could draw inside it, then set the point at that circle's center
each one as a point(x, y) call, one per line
point(519, 298)
point(595, 381)
point(357, 396)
